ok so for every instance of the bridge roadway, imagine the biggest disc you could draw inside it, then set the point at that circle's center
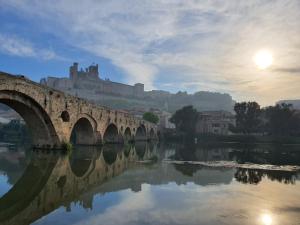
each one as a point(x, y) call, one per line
point(54, 117)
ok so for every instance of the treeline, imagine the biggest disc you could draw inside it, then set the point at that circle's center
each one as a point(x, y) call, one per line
point(279, 120)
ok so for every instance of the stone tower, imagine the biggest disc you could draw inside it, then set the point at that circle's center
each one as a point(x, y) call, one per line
point(93, 71)
point(74, 71)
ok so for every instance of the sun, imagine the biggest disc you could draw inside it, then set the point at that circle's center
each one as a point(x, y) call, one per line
point(263, 59)
point(266, 219)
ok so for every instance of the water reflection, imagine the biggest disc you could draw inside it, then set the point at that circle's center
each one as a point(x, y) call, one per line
point(254, 176)
point(259, 154)
point(83, 159)
point(52, 182)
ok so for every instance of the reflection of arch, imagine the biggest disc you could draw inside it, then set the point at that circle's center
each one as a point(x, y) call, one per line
point(37, 120)
point(127, 134)
point(83, 132)
point(27, 187)
point(151, 146)
point(152, 134)
point(140, 149)
point(127, 150)
point(110, 153)
point(82, 160)
point(140, 134)
point(111, 134)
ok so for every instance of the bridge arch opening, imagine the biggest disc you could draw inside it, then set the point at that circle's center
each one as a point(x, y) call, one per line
point(83, 133)
point(140, 134)
point(42, 131)
point(127, 135)
point(111, 134)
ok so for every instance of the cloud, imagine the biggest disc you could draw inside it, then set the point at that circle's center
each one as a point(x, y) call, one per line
point(128, 211)
point(208, 43)
point(16, 46)
point(293, 70)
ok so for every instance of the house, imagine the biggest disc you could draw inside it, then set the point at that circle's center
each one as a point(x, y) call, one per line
point(214, 122)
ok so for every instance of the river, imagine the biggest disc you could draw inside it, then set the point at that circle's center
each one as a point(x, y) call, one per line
point(151, 183)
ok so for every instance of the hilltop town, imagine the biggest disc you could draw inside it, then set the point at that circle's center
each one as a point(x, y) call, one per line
point(88, 83)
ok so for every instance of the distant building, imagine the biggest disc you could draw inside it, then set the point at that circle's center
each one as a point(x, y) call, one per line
point(90, 80)
point(214, 122)
point(164, 118)
point(89, 84)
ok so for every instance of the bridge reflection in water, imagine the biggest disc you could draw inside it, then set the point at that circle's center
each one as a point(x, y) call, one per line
point(52, 180)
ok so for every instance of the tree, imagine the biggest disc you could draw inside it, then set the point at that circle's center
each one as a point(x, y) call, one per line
point(185, 120)
point(240, 116)
point(282, 119)
point(248, 118)
point(151, 117)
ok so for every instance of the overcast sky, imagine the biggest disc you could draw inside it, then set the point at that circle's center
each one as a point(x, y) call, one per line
point(165, 44)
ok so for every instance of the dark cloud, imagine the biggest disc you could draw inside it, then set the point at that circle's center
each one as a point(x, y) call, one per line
point(290, 209)
point(292, 70)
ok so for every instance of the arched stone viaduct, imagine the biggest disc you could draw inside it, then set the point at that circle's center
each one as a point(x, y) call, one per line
point(55, 118)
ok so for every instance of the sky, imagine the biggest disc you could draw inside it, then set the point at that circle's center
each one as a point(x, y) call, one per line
point(173, 45)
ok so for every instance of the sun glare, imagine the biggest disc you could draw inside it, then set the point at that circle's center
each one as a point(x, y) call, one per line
point(263, 59)
point(266, 219)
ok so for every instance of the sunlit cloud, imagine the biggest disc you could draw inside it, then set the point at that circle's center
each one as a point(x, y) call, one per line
point(167, 43)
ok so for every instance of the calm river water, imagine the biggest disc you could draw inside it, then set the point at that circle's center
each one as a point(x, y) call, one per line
point(151, 184)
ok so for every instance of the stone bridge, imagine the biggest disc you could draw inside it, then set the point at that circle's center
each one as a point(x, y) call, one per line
point(54, 117)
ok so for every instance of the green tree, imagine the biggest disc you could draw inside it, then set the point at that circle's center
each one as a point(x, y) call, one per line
point(185, 119)
point(151, 117)
point(248, 117)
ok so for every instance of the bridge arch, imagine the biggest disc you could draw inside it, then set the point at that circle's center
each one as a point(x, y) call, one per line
point(83, 132)
point(127, 135)
point(141, 134)
point(112, 135)
point(39, 123)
